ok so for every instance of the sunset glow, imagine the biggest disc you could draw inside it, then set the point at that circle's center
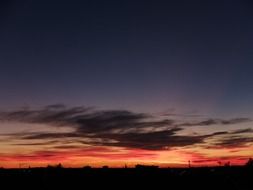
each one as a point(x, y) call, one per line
point(76, 137)
point(121, 83)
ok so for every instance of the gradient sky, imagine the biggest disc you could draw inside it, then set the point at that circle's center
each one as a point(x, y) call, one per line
point(115, 82)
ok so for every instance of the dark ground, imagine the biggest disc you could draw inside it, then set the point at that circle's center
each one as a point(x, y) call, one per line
point(240, 178)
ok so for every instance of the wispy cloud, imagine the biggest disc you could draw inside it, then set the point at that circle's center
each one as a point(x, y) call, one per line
point(67, 153)
point(209, 122)
point(234, 142)
point(120, 128)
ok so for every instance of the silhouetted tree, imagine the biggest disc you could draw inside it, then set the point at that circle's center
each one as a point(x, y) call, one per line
point(227, 164)
point(249, 163)
point(59, 166)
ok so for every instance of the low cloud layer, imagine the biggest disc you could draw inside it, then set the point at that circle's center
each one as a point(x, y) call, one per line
point(119, 128)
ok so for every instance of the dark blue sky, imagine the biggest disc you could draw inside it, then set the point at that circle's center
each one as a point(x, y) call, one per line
point(192, 56)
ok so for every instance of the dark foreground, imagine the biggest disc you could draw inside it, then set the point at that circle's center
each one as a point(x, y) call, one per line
point(240, 178)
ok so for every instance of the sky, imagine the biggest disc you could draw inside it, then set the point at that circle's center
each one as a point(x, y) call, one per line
point(125, 82)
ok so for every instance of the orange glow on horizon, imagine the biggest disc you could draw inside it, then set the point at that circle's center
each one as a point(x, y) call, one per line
point(118, 157)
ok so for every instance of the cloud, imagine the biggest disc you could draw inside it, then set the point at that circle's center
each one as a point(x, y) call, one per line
point(159, 140)
point(34, 136)
point(154, 140)
point(36, 144)
point(240, 131)
point(89, 120)
point(234, 142)
point(120, 128)
point(209, 122)
point(67, 153)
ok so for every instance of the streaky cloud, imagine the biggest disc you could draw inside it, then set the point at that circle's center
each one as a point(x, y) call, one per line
point(122, 128)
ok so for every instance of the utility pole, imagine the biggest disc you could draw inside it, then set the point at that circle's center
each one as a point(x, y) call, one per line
point(189, 163)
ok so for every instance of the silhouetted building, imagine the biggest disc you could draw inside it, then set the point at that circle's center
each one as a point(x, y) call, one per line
point(87, 167)
point(139, 166)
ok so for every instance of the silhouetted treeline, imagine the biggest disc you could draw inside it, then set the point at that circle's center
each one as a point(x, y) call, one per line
point(141, 177)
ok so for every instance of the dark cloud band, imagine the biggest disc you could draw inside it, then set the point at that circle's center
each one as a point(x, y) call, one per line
point(115, 127)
